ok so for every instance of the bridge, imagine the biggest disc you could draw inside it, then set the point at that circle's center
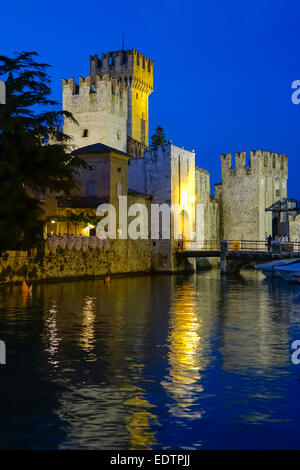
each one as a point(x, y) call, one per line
point(235, 254)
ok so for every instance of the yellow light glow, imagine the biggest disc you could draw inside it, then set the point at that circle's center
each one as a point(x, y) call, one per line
point(52, 221)
point(184, 197)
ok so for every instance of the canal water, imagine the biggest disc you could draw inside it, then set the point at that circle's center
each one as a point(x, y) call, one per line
point(161, 362)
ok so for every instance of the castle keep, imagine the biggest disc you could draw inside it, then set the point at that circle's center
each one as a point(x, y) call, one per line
point(135, 71)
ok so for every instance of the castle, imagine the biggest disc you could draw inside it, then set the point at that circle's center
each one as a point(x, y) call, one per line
point(112, 136)
point(111, 104)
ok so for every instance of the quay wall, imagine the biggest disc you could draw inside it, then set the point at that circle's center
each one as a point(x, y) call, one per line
point(116, 257)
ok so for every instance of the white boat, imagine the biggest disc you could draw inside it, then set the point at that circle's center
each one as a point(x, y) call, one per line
point(270, 269)
point(290, 273)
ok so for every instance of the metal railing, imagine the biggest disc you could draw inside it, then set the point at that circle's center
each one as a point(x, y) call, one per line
point(206, 245)
point(237, 245)
point(248, 245)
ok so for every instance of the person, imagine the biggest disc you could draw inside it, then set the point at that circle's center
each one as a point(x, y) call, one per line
point(180, 243)
point(269, 239)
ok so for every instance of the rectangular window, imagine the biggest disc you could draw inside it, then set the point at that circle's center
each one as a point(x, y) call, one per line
point(91, 188)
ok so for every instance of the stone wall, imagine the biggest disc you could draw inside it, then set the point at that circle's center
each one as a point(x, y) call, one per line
point(168, 175)
point(100, 108)
point(208, 211)
point(295, 228)
point(247, 190)
point(116, 257)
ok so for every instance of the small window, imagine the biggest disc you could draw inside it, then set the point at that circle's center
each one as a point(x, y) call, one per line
point(137, 96)
point(137, 60)
point(266, 162)
point(118, 136)
point(119, 170)
point(111, 60)
point(91, 167)
point(143, 62)
point(85, 133)
point(149, 68)
point(277, 192)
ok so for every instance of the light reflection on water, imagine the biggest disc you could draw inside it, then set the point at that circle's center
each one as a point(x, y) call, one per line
point(151, 362)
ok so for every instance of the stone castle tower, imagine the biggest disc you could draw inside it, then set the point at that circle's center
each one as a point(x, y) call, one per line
point(100, 108)
point(246, 191)
point(135, 72)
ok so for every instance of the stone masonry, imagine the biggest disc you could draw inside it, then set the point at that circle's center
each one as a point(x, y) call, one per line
point(247, 190)
point(168, 174)
point(100, 108)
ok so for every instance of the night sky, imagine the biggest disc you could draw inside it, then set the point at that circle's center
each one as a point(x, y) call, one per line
point(222, 69)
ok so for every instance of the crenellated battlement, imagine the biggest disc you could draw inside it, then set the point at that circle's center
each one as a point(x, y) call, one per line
point(130, 67)
point(93, 83)
point(104, 94)
point(251, 182)
point(261, 162)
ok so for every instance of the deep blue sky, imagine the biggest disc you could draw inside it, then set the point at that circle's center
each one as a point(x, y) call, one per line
point(223, 69)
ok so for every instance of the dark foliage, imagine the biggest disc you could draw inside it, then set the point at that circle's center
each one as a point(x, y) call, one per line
point(34, 155)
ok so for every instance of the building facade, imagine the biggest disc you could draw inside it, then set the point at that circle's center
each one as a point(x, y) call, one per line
point(168, 174)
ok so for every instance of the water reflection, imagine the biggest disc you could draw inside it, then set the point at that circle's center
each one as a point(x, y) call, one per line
point(186, 355)
point(151, 362)
point(52, 336)
point(87, 341)
point(254, 328)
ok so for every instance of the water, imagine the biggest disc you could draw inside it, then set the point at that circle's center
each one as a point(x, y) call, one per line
point(162, 362)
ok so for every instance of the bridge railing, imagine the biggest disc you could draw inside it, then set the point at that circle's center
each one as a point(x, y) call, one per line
point(261, 246)
point(206, 245)
point(237, 245)
point(247, 245)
